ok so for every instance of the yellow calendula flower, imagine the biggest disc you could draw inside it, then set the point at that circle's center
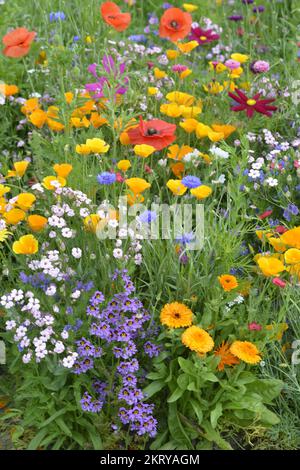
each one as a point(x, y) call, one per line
point(82, 149)
point(8, 90)
point(219, 68)
point(26, 245)
point(197, 340)
point(79, 122)
point(189, 112)
point(270, 266)
point(159, 74)
point(201, 192)
point(202, 130)
point(241, 58)
point(172, 54)
point(186, 73)
point(187, 47)
point(38, 118)
point(214, 88)
point(176, 187)
point(189, 125)
point(4, 190)
point(177, 153)
point(123, 165)
point(25, 201)
point(97, 145)
point(14, 216)
point(225, 129)
point(190, 7)
point(91, 222)
point(180, 98)
point(152, 90)
point(236, 73)
point(245, 351)
point(176, 315)
point(19, 169)
point(30, 105)
point(292, 256)
point(63, 169)
point(137, 185)
point(171, 110)
point(52, 182)
point(36, 222)
point(292, 237)
point(69, 97)
point(143, 150)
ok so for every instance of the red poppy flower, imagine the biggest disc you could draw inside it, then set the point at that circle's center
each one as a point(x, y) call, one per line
point(113, 16)
point(250, 105)
point(203, 37)
point(157, 133)
point(17, 42)
point(175, 24)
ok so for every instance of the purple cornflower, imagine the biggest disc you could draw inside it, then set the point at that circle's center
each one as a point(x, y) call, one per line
point(235, 17)
point(291, 210)
point(106, 178)
point(57, 16)
point(190, 181)
point(147, 217)
point(258, 9)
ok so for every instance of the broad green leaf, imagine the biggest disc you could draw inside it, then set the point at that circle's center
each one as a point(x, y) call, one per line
point(153, 388)
point(215, 414)
point(178, 392)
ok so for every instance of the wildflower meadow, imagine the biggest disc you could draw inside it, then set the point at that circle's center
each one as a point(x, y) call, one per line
point(150, 225)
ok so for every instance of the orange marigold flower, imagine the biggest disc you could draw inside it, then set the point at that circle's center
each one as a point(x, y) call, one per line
point(197, 340)
point(245, 351)
point(176, 315)
point(226, 357)
point(228, 282)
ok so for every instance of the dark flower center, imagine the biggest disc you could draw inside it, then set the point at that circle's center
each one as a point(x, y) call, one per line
point(151, 131)
point(177, 315)
point(174, 24)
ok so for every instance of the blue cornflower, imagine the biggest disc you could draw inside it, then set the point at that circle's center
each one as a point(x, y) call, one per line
point(190, 181)
point(57, 16)
point(147, 217)
point(106, 178)
point(137, 38)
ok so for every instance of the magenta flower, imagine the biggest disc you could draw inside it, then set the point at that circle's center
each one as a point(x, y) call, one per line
point(97, 89)
point(203, 36)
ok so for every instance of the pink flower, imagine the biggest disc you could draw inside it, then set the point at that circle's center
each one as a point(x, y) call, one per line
point(260, 66)
point(278, 282)
point(254, 326)
point(119, 178)
point(232, 64)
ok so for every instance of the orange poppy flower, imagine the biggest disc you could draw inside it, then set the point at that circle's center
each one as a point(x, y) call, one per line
point(113, 16)
point(175, 24)
point(17, 42)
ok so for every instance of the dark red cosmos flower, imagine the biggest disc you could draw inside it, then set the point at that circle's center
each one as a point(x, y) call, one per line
point(157, 133)
point(203, 36)
point(250, 105)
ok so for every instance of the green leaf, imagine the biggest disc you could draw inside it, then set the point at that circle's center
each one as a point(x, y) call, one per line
point(197, 409)
point(187, 366)
point(213, 436)
point(153, 388)
point(158, 442)
point(53, 417)
point(178, 392)
point(268, 389)
point(35, 442)
point(176, 429)
point(183, 381)
point(215, 414)
point(60, 422)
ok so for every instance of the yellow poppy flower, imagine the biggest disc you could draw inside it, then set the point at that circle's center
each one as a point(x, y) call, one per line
point(26, 245)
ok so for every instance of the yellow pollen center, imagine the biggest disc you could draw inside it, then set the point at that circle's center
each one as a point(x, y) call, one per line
point(203, 38)
point(251, 102)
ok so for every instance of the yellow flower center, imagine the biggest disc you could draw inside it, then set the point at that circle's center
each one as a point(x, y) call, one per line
point(203, 38)
point(251, 102)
